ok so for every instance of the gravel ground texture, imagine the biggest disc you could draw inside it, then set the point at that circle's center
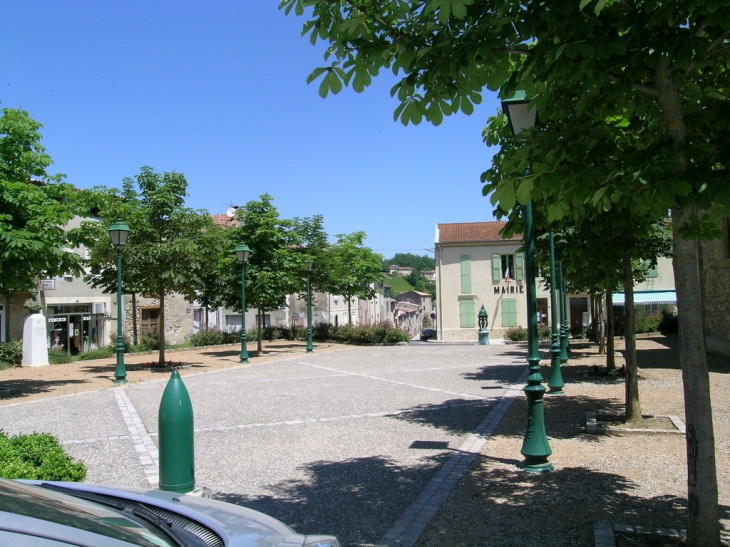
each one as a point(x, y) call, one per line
point(632, 479)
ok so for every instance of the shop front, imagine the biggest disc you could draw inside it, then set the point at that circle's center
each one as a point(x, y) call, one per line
point(73, 328)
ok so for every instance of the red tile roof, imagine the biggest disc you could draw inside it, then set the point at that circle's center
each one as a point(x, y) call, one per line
point(468, 232)
point(224, 221)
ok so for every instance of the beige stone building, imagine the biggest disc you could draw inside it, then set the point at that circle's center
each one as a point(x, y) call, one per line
point(476, 267)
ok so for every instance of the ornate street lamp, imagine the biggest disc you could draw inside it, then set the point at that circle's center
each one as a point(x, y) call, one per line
point(242, 252)
point(564, 320)
point(556, 378)
point(310, 349)
point(119, 233)
point(535, 447)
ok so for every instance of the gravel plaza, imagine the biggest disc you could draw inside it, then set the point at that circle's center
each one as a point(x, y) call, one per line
point(363, 443)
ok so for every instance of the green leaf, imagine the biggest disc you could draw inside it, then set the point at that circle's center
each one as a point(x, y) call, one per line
point(583, 3)
point(324, 86)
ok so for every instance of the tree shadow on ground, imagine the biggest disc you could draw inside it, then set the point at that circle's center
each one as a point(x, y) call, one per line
point(504, 375)
point(508, 506)
point(357, 500)
point(667, 356)
point(565, 416)
point(17, 389)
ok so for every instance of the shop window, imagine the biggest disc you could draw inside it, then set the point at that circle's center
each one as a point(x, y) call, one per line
point(467, 314)
point(542, 311)
point(509, 312)
point(508, 267)
point(149, 324)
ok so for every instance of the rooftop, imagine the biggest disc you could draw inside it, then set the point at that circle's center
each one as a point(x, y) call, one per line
point(467, 232)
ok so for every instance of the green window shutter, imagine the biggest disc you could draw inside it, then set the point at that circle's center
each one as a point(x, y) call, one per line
point(653, 272)
point(467, 315)
point(496, 267)
point(519, 266)
point(509, 312)
point(465, 274)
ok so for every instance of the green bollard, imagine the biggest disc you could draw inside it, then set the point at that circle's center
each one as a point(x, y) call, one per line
point(175, 419)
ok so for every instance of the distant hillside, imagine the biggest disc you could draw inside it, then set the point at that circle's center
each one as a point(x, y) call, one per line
point(398, 284)
point(419, 263)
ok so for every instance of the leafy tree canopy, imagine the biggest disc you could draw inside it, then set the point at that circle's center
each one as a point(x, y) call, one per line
point(410, 260)
point(35, 209)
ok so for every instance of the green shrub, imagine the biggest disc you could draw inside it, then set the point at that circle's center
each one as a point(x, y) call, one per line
point(271, 333)
point(38, 456)
point(300, 333)
point(58, 357)
point(669, 322)
point(286, 333)
point(516, 334)
point(323, 331)
point(544, 332)
point(125, 341)
point(101, 353)
point(213, 337)
point(648, 323)
point(252, 335)
point(11, 353)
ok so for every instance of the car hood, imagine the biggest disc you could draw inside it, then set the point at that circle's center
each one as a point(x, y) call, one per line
point(238, 526)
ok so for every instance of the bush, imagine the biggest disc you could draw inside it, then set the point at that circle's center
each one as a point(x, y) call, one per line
point(38, 456)
point(125, 340)
point(101, 353)
point(213, 337)
point(323, 331)
point(252, 335)
point(11, 353)
point(669, 322)
point(300, 333)
point(56, 357)
point(516, 334)
point(544, 332)
point(287, 333)
point(271, 333)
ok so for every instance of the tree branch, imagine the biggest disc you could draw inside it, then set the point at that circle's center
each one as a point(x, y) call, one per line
point(711, 49)
point(637, 86)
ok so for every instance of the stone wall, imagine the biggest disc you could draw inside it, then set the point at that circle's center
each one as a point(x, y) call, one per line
point(178, 316)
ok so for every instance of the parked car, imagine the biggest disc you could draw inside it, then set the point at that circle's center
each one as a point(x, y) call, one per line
point(428, 334)
point(55, 514)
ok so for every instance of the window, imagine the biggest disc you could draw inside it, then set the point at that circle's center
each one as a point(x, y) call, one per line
point(509, 312)
point(233, 323)
point(467, 314)
point(542, 311)
point(267, 320)
point(465, 274)
point(150, 321)
point(508, 267)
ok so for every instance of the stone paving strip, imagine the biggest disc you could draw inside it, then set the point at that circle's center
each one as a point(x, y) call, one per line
point(411, 524)
point(144, 446)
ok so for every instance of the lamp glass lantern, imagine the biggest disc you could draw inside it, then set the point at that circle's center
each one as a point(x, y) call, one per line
point(118, 233)
point(242, 252)
point(519, 113)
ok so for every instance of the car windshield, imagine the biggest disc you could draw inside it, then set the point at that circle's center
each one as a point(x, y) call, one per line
point(34, 502)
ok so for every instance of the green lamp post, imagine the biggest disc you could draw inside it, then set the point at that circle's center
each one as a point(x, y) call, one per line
point(535, 447)
point(119, 233)
point(556, 378)
point(310, 348)
point(242, 252)
point(564, 320)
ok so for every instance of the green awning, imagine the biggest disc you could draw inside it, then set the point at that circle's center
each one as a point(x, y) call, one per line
point(647, 297)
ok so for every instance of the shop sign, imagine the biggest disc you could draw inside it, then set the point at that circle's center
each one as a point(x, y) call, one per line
point(47, 285)
point(56, 319)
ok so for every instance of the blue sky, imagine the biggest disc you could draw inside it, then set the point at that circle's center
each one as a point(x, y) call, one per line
point(217, 90)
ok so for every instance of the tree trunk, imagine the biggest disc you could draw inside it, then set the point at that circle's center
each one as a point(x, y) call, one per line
point(703, 527)
point(349, 313)
point(135, 341)
point(610, 341)
point(260, 328)
point(601, 328)
point(161, 360)
point(633, 406)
